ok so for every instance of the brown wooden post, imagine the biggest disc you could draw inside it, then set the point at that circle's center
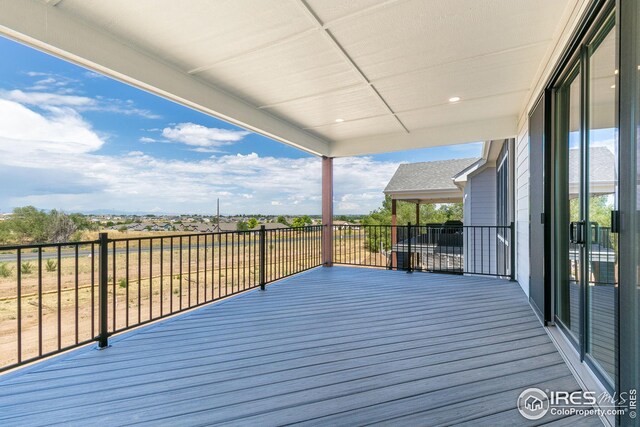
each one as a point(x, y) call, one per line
point(327, 211)
point(394, 235)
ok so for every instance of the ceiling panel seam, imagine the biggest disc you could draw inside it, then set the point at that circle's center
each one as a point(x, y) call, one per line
point(293, 37)
point(351, 62)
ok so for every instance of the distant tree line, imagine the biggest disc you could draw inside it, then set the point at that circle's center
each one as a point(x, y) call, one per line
point(31, 225)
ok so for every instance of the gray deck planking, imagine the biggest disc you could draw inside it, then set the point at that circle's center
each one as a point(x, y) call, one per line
point(339, 346)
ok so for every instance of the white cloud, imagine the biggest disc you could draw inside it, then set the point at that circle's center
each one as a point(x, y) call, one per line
point(52, 157)
point(61, 131)
point(44, 96)
point(44, 99)
point(201, 136)
point(147, 140)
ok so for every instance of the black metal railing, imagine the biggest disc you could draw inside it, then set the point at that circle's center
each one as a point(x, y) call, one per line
point(54, 297)
point(457, 249)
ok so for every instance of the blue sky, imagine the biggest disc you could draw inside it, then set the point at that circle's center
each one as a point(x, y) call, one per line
point(74, 140)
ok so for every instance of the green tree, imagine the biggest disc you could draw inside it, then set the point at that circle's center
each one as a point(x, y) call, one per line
point(5, 233)
point(242, 226)
point(600, 208)
point(29, 224)
point(301, 221)
point(252, 223)
point(282, 220)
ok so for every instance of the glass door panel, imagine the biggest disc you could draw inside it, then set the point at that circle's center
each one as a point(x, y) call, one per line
point(568, 293)
point(601, 165)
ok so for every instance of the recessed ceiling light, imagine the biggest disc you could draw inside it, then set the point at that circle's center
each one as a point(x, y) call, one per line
point(454, 99)
point(613, 86)
point(339, 120)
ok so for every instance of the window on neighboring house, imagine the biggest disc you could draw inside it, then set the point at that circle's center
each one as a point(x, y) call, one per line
point(502, 210)
point(502, 187)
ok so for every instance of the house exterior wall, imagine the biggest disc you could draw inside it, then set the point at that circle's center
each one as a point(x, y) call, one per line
point(480, 209)
point(483, 198)
point(522, 207)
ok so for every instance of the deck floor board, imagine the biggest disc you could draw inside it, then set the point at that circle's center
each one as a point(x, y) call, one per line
point(339, 346)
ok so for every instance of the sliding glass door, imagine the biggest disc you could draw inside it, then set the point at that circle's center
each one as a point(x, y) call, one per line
point(586, 194)
point(601, 170)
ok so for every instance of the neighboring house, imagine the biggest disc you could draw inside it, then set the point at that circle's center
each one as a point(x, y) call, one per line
point(481, 184)
point(341, 225)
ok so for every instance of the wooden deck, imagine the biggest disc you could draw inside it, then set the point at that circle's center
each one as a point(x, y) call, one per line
point(338, 346)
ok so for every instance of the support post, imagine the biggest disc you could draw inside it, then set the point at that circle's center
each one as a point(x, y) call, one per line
point(103, 265)
point(418, 214)
point(394, 236)
point(263, 255)
point(327, 211)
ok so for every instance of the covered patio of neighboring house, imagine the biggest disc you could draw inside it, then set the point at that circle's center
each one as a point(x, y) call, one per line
point(479, 244)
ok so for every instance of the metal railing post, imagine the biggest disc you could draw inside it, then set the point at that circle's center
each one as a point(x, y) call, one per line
point(103, 265)
point(409, 247)
point(262, 258)
point(512, 248)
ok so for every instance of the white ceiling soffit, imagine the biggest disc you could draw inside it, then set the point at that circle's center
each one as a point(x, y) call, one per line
point(291, 68)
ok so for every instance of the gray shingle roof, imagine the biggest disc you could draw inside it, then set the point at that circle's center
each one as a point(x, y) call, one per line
point(428, 175)
point(602, 165)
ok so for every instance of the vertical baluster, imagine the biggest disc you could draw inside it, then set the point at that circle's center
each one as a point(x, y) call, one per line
point(126, 277)
point(171, 275)
point(113, 286)
point(161, 276)
point(19, 301)
point(139, 280)
point(151, 278)
point(180, 274)
point(76, 293)
point(59, 288)
point(40, 301)
point(189, 272)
